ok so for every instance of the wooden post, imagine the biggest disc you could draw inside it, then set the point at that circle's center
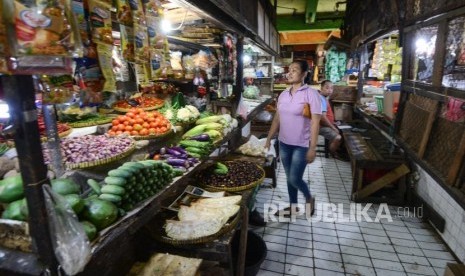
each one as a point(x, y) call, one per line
point(242, 242)
point(20, 95)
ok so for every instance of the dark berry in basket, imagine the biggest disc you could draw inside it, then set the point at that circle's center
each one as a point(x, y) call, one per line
point(240, 173)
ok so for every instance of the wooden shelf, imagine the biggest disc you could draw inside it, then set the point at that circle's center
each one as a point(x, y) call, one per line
point(109, 249)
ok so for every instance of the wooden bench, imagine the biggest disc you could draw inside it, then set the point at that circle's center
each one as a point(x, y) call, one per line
point(376, 166)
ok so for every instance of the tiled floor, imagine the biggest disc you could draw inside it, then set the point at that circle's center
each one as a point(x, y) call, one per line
point(342, 243)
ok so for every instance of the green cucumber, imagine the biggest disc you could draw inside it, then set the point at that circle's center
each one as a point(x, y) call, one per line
point(113, 189)
point(110, 197)
point(120, 173)
point(94, 185)
point(195, 150)
point(113, 180)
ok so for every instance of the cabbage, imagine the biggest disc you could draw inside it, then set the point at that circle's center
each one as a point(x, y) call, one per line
point(251, 92)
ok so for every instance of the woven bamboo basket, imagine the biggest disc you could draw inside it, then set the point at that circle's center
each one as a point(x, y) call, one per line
point(61, 135)
point(143, 108)
point(443, 145)
point(410, 130)
point(154, 136)
point(237, 189)
point(91, 123)
point(159, 234)
point(101, 162)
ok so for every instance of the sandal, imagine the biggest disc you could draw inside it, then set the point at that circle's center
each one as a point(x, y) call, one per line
point(311, 201)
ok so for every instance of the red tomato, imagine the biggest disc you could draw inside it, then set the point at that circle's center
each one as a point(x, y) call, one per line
point(115, 122)
point(134, 133)
point(128, 128)
point(130, 114)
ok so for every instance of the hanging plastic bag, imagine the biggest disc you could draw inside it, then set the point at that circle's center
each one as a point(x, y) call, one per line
point(242, 109)
point(454, 110)
point(69, 239)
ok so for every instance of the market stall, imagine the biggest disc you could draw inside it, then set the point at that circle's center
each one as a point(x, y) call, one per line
point(110, 128)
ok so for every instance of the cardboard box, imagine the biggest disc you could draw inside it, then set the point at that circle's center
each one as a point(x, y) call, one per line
point(343, 112)
point(344, 93)
point(391, 101)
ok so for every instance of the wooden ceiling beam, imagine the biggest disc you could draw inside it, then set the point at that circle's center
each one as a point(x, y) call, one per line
point(300, 38)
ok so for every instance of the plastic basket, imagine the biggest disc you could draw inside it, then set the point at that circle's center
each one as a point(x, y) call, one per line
point(380, 103)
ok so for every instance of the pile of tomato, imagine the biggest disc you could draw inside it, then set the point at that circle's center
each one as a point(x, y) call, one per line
point(144, 103)
point(138, 122)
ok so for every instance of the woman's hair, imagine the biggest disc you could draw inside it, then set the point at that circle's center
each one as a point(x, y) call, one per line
point(304, 68)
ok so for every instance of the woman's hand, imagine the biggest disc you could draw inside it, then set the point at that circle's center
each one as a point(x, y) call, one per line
point(267, 144)
point(311, 155)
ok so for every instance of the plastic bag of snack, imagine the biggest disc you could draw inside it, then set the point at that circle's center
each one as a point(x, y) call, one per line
point(105, 53)
point(100, 21)
point(43, 29)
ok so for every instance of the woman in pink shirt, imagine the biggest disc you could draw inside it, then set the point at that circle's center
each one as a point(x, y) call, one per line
point(298, 135)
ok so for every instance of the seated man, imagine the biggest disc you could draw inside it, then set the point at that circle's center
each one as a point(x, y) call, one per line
point(327, 127)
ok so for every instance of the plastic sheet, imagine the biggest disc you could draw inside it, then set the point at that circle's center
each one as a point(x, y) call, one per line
point(69, 239)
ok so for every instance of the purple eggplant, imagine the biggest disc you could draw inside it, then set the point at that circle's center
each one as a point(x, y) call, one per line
point(178, 162)
point(201, 138)
point(193, 160)
point(179, 149)
point(173, 152)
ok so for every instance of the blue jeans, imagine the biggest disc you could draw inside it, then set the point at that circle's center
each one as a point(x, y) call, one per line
point(294, 161)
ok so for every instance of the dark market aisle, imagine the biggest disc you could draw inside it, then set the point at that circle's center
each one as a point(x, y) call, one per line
point(405, 246)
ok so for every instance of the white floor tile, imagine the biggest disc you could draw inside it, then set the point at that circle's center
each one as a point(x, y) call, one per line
point(291, 269)
point(272, 266)
point(299, 260)
point(438, 254)
point(374, 232)
point(419, 269)
point(408, 251)
point(387, 265)
point(353, 243)
point(402, 242)
point(299, 243)
point(377, 239)
point(326, 246)
point(299, 251)
point(384, 272)
point(329, 265)
point(439, 263)
point(268, 273)
point(276, 256)
point(327, 255)
point(383, 255)
point(323, 272)
point(277, 247)
point(356, 260)
point(349, 235)
point(300, 228)
point(349, 250)
point(439, 271)
point(275, 231)
point(324, 238)
point(359, 270)
point(410, 259)
point(399, 235)
point(432, 246)
point(275, 239)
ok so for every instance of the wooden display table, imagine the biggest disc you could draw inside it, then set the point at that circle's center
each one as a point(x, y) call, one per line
point(379, 168)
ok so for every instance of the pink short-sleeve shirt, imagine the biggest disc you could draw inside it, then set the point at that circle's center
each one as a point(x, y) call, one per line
point(295, 129)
